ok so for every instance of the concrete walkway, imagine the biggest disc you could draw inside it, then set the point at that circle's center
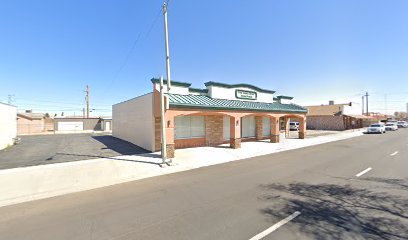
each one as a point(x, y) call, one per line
point(31, 183)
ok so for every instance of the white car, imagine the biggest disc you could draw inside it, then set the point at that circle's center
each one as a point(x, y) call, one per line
point(391, 127)
point(402, 124)
point(376, 128)
point(294, 126)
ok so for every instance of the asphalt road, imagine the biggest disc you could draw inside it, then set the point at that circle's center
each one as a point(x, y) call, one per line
point(241, 199)
point(46, 149)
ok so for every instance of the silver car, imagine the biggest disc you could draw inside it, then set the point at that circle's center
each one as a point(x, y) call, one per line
point(402, 124)
point(391, 127)
point(294, 126)
point(376, 128)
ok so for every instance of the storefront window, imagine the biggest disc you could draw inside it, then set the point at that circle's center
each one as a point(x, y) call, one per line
point(248, 128)
point(266, 125)
point(189, 127)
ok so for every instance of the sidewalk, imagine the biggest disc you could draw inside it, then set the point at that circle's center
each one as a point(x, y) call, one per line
point(31, 183)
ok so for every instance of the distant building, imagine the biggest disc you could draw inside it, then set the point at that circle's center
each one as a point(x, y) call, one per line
point(81, 124)
point(336, 117)
point(33, 123)
point(8, 125)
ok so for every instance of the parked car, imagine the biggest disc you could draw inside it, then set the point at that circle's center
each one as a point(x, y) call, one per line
point(294, 126)
point(391, 127)
point(402, 124)
point(376, 128)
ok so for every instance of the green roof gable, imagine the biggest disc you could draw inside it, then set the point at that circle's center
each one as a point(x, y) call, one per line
point(175, 83)
point(284, 97)
point(224, 85)
point(205, 102)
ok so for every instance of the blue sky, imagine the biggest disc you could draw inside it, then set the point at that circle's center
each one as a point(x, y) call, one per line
point(314, 50)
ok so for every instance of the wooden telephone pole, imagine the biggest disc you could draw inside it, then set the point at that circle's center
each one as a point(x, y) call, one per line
point(87, 101)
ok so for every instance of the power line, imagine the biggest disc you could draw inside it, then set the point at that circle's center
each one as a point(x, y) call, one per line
point(128, 55)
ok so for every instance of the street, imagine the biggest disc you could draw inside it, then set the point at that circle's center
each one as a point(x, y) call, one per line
point(350, 189)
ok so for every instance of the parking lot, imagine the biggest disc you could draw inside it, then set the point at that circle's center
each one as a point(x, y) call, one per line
point(47, 149)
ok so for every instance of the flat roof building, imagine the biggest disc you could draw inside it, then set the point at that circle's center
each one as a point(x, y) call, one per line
point(220, 113)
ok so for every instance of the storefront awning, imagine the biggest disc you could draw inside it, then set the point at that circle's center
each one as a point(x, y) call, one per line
point(205, 102)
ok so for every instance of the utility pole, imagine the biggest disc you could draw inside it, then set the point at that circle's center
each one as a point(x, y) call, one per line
point(362, 105)
point(366, 103)
point(162, 110)
point(87, 101)
point(385, 103)
point(166, 41)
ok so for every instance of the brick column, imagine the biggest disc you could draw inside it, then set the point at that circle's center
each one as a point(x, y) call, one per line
point(170, 146)
point(235, 132)
point(214, 130)
point(302, 128)
point(259, 127)
point(275, 130)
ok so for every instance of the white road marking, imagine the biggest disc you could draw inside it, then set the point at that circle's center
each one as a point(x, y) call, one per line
point(394, 153)
point(361, 173)
point(275, 226)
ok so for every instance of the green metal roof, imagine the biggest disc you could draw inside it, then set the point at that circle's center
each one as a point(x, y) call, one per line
point(205, 102)
point(175, 83)
point(224, 85)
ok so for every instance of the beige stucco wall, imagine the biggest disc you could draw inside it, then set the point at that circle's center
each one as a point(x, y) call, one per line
point(8, 125)
point(133, 121)
point(27, 126)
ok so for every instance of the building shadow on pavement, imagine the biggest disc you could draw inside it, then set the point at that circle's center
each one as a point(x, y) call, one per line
point(330, 211)
point(120, 146)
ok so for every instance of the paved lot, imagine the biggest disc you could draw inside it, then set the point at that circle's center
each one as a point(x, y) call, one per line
point(238, 200)
point(46, 149)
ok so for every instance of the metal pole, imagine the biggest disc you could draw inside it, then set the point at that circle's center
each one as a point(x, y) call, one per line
point(362, 105)
point(366, 103)
point(163, 122)
point(166, 40)
point(87, 101)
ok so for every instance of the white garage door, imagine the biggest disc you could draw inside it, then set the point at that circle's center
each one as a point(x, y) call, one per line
point(70, 126)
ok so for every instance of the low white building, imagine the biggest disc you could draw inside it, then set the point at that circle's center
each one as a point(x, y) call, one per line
point(8, 125)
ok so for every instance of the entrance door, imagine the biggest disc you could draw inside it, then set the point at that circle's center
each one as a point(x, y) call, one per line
point(248, 128)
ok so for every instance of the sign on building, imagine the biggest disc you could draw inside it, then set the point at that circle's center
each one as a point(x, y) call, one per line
point(243, 94)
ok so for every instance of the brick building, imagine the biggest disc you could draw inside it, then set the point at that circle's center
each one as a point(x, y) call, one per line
point(337, 117)
point(220, 113)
